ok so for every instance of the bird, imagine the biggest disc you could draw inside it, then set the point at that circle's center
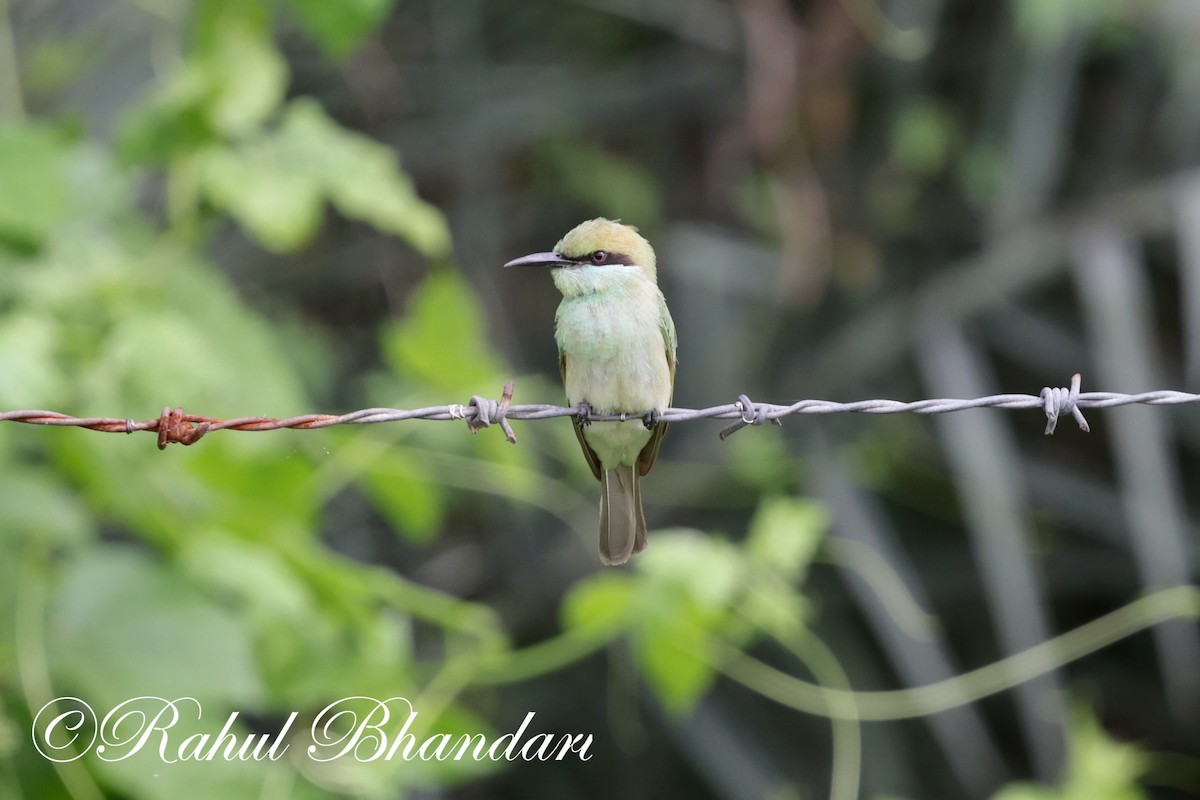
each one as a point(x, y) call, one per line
point(616, 353)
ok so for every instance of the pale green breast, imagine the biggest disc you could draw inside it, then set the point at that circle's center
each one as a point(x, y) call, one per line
point(615, 349)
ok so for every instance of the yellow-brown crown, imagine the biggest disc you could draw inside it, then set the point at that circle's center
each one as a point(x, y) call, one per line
point(623, 243)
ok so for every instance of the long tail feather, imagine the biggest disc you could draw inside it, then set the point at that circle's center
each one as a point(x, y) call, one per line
point(622, 523)
point(639, 540)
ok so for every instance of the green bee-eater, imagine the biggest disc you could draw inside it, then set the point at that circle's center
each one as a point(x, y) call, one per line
point(616, 351)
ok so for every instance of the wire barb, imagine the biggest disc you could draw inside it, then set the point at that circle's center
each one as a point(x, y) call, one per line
point(174, 426)
point(489, 412)
point(751, 414)
point(1059, 401)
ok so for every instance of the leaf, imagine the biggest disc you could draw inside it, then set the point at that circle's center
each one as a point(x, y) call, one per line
point(275, 183)
point(338, 26)
point(36, 507)
point(616, 187)
point(442, 340)
point(228, 88)
point(599, 603)
point(248, 78)
point(761, 462)
point(364, 180)
point(688, 585)
point(34, 192)
point(667, 613)
point(27, 347)
point(308, 646)
point(706, 570)
point(672, 643)
point(124, 625)
point(253, 574)
point(413, 506)
point(775, 607)
point(1097, 767)
point(279, 206)
point(785, 533)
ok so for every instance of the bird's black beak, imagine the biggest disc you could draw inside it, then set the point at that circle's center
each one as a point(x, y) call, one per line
point(541, 260)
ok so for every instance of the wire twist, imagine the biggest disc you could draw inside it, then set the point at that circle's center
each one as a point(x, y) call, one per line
point(174, 426)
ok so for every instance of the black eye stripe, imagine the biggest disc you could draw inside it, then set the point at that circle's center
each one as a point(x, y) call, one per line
point(613, 258)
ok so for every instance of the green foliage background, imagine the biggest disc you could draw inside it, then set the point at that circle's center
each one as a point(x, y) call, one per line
point(203, 204)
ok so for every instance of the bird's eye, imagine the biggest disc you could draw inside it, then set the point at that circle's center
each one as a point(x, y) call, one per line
point(599, 257)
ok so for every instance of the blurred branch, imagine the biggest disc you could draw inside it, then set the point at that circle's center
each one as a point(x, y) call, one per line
point(911, 637)
point(847, 730)
point(1110, 277)
point(542, 658)
point(1178, 602)
point(987, 470)
point(880, 575)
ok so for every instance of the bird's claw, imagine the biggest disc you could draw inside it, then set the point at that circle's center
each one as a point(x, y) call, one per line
point(651, 419)
point(585, 415)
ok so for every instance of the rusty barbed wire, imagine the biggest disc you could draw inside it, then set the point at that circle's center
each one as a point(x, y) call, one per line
point(174, 426)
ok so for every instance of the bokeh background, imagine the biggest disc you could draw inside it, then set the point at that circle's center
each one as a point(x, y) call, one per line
point(278, 207)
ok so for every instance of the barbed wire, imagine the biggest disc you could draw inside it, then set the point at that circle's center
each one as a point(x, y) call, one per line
point(174, 426)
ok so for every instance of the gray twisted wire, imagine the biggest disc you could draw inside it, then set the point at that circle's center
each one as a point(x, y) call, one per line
point(176, 426)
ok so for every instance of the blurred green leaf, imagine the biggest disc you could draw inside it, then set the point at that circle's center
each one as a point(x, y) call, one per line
point(27, 343)
point(1097, 768)
point(671, 606)
point(690, 584)
point(276, 183)
point(785, 534)
point(125, 625)
point(33, 182)
point(923, 136)
point(673, 650)
point(261, 186)
point(600, 603)
point(230, 86)
point(259, 579)
point(776, 608)
point(699, 566)
point(616, 187)
point(339, 25)
point(689, 588)
point(441, 341)
point(413, 506)
point(246, 78)
point(36, 507)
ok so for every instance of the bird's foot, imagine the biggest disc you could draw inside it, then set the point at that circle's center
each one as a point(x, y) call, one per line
point(585, 415)
point(651, 419)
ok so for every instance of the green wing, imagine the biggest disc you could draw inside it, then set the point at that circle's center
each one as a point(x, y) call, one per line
point(588, 453)
point(650, 452)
